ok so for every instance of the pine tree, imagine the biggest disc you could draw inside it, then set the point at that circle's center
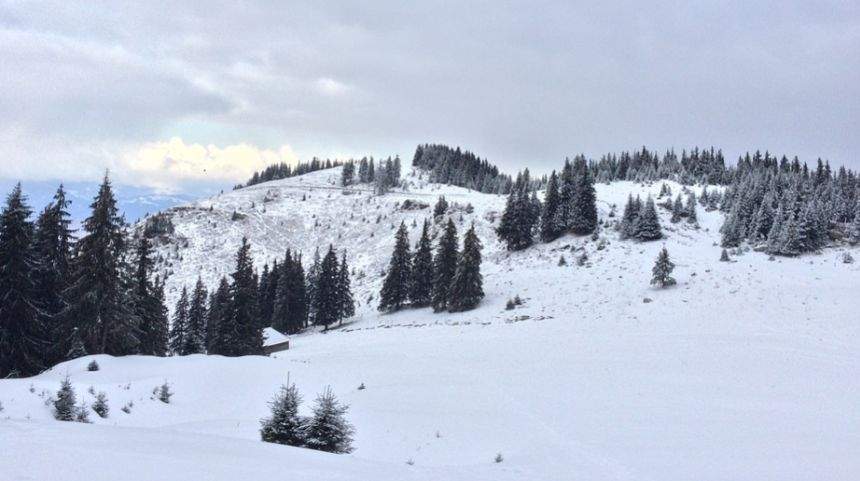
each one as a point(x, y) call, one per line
point(854, 233)
point(627, 227)
point(240, 332)
point(52, 254)
point(149, 305)
point(284, 426)
point(179, 327)
point(677, 210)
point(662, 270)
point(64, 404)
point(520, 216)
point(467, 285)
point(313, 273)
point(194, 341)
point(219, 308)
point(346, 303)
point(328, 430)
point(99, 303)
point(690, 210)
point(421, 289)
point(583, 213)
point(290, 311)
point(22, 336)
point(724, 256)
point(549, 226)
point(395, 287)
point(440, 208)
point(444, 267)
point(327, 296)
point(647, 223)
point(100, 406)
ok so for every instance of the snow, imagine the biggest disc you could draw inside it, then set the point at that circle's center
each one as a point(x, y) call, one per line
point(745, 370)
point(271, 337)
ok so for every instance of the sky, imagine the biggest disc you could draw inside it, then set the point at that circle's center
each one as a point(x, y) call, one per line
point(182, 96)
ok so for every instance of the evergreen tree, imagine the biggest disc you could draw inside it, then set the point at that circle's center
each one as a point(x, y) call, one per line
point(149, 305)
point(284, 426)
point(311, 289)
point(395, 287)
point(549, 226)
point(219, 309)
point(421, 289)
point(647, 223)
point(583, 212)
point(240, 333)
point(444, 266)
point(290, 311)
point(327, 295)
point(516, 228)
point(440, 208)
point(627, 227)
point(347, 176)
point(194, 341)
point(724, 256)
point(346, 304)
point(64, 404)
point(52, 254)
point(179, 327)
point(677, 210)
point(328, 430)
point(22, 335)
point(662, 270)
point(690, 210)
point(467, 285)
point(99, 304)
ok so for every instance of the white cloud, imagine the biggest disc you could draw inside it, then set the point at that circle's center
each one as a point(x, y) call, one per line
point(166, 165)
point(331, 87)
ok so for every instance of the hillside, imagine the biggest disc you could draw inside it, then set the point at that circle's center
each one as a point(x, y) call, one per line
point(744, 370)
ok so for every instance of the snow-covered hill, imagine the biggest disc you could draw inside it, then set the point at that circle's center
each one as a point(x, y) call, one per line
point(743, 371)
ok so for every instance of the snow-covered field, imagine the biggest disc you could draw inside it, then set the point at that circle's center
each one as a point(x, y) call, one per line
point(743, 371)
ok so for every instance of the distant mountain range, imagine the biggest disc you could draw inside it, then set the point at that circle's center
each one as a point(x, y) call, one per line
point(134, 202)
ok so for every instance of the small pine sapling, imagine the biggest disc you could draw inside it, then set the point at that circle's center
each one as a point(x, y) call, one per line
point(64, 404)
point(164, 393)
point(284, 426)
point(662, 270)
point(93, 366)
point(100, 406)
point(724, 257)
point(328, 430)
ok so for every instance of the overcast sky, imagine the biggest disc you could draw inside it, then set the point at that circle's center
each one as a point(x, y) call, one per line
point(166, 95)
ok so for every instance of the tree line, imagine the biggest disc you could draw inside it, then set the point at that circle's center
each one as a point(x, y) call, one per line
point(63, 297)
point(461, 168)
point(284, 170)
point(786, 208)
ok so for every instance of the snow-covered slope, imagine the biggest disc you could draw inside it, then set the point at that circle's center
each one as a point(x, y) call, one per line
point(743, 371)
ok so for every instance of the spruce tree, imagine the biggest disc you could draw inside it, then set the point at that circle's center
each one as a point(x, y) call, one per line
point(179, 326)
point(23, 340)
point(311, 283)
point(583, 213)
point(677, 210)
point(149, 304)
point(346, 303)
point(99, 303)
point(520, 216)
point(467, 285)
point(549, 226)
point(627, 227)
point(440, 208)
point(284, 426)
point(662, 270)
point(421, 289)
point(690, 210)
point(219, 309)
point(444, 266)
point(64, 404)
point(395, 288)
point(327, 298)
point(240, 331)
point(328, 430)
point(52, 253)
point(194, 341)
point(647, 223)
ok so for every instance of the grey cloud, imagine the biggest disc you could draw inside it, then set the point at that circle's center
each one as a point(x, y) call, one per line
point(524, 83)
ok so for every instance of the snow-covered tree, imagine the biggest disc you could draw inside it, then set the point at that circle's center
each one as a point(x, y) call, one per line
point(284, 426)
point(328, 430)
point(65, 402)
point(662, 270)
point(444, 266)
point(466, 289)
point(395, 288)
point(179, 326)
point(422, 270)
point(647, 226)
